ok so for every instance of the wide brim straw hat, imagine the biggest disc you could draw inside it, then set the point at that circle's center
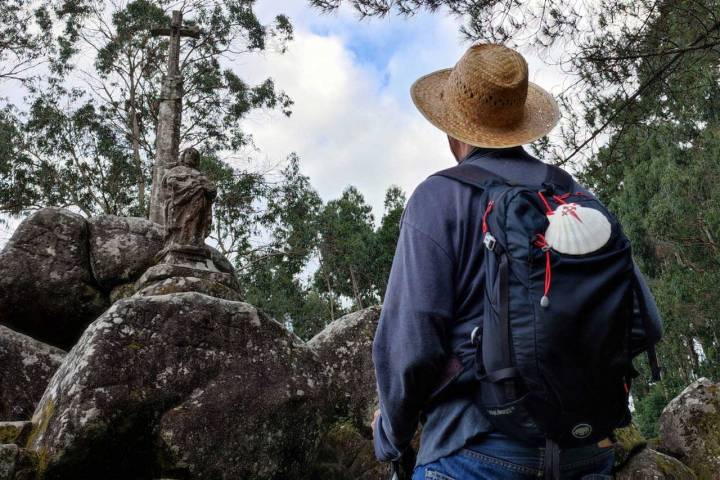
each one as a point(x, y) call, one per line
point(486, 100)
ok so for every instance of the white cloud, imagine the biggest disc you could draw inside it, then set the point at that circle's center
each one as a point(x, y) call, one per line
point(353, 122)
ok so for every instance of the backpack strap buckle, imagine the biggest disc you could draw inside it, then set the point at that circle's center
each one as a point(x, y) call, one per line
point(476, 336)
point(489, 241)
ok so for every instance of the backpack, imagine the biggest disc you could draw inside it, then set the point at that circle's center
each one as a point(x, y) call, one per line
point(553, 351)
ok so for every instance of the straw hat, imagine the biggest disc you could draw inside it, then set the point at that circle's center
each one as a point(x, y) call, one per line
point(486, 100)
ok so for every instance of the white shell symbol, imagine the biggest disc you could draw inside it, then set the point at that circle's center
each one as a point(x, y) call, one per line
point(577, 230)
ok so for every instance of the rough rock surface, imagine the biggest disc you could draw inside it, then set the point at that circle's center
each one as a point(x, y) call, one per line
point(26, 366)
point(690, 428)
point(8, 459)
point(649, 464)
point(164, 278)
point(182, 386)
point(345, 350)
point(47, 289)
point(122, 248)
point(16, 463)
point(634, 461)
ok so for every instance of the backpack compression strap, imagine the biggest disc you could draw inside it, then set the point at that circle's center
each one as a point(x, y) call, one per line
point(477, 176)
point(556, 176)
point(655, 372)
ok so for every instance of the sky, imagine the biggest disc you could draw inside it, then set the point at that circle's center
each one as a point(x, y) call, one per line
point(353, 120)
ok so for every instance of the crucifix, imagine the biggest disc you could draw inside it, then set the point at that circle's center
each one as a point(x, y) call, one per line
point(167, 142)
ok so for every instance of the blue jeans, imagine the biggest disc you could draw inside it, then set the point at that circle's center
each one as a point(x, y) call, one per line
point(498, 457)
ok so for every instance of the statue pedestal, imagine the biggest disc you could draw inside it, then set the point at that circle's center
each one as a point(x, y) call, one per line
point(187, 275)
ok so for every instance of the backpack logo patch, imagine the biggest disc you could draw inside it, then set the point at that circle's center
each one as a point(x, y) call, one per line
point(501, 411)
point(581, 430)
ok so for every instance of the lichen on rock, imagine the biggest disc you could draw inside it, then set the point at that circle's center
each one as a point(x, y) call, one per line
point(690, 428)
point(47, 289)
point(182, 385)
point(26, 366)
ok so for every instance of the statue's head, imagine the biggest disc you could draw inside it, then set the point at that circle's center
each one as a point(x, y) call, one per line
point(190, 158)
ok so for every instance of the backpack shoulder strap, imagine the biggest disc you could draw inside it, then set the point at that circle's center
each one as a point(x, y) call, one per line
point(556, 176)
point(472, 175)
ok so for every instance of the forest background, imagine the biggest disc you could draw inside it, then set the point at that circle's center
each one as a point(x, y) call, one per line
point(638, 83)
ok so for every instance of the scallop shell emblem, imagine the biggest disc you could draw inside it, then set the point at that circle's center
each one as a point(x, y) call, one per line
point(577, 230)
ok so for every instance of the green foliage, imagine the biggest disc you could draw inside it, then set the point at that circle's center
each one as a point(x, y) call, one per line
point(345, 244)
point(659, 173)
point(324, 259)
point(386, 237)
point(24, 38)
point(99, 134)
point(650, 406)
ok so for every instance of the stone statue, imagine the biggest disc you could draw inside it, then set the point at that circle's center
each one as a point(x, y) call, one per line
point(189, 196)
point(186, 264)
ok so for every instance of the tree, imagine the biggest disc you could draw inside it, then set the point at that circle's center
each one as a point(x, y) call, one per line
point(346, 234)
point(24, 39)
point(91, 122)
point(273, 272)
point(386, 237)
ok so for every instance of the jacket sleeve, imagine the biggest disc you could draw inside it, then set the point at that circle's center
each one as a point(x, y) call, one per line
point(409, 350)
point(646, 332)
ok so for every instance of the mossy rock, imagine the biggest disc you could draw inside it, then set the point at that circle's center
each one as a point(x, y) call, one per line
point(628, 441)
point(650, 464)
point(690, 428)
point(346, 454)
point(14, 432)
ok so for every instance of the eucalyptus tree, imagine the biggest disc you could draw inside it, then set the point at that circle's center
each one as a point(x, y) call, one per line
point(386, 237)
point(345, 249)
point(85, 136)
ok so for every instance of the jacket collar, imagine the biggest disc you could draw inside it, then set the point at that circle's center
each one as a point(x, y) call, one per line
point(480, 152)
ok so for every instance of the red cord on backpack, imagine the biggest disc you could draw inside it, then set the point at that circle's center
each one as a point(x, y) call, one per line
point(487, 212)
point(548, 209)
point(540, 242)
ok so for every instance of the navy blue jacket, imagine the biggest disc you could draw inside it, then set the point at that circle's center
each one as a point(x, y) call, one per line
point(423, 337)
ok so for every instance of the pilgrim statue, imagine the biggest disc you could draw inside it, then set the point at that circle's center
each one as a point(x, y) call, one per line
point(189, 196)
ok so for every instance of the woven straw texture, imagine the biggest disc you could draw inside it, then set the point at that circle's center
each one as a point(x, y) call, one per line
point(486, 100)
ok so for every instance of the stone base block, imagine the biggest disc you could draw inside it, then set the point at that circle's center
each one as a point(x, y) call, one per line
point(163, 279)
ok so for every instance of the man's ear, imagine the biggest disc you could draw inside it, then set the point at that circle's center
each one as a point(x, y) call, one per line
point(459, 149)
point(455, 147)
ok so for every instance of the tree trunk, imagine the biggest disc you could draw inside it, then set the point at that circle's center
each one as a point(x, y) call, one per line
point(135, 127)
point(356, 290)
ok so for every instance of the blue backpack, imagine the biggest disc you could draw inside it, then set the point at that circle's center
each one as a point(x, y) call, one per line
point(553, 350)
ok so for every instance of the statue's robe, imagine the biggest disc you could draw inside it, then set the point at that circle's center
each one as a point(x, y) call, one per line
point(189, 196)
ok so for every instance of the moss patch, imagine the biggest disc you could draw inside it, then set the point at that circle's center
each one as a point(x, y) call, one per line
point(10, 431)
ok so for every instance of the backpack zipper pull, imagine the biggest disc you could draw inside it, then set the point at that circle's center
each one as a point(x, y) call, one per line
point(541, 243)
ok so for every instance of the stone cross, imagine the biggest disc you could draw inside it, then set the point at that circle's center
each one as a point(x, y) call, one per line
point(167, 142)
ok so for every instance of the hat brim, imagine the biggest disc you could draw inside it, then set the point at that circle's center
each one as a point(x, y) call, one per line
point(540, 116)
